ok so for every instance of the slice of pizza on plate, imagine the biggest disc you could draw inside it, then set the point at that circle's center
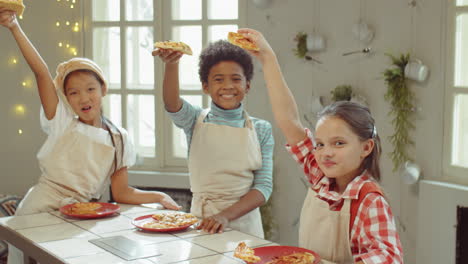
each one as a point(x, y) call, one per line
point(297, 258)
point(174, 45)
point(245, 253)
point(241, 41)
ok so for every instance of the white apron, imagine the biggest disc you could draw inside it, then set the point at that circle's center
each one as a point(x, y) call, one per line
point(74, 171)
point(221, 164)
point(325, 232)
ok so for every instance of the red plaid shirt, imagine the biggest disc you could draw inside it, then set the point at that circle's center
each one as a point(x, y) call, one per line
point(374, 238)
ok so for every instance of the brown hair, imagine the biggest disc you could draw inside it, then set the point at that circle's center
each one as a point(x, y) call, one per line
point(359, 119)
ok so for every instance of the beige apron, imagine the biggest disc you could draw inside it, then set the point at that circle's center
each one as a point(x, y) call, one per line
point(74, 171)
point(221, 164)
point(325, 232)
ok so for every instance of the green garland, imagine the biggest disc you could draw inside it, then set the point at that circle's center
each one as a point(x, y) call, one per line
point(301, 47)
point(401, 99)
point(342, 93)
point(269, 225)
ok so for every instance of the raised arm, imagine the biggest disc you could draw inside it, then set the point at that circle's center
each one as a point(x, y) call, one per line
point(282, 101)
point(171, 96)
point(44, 81)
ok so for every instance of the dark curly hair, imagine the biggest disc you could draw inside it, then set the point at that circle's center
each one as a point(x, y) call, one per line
point(222, 50)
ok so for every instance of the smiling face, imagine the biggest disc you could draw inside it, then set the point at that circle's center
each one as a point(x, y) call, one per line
point(226, 84)
point(339, 151)
point(84, 93)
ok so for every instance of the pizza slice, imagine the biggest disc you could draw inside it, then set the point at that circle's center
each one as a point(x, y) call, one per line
point(174, 45)
point(245, 253)
point(241, 41)
point(15, 5)
point(84, 208)
point(175, 219)
point(297, 258)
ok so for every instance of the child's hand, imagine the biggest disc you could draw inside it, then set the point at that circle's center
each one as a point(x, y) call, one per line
point(258, 39)
point(8, 18)
point(167, 55)
point(169, 203)
point(214, 224)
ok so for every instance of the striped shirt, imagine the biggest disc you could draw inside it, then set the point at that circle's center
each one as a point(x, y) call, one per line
point(187, 116)
point(374, 238)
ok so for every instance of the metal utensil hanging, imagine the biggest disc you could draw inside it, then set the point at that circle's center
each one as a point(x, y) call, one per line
point(365, 50)
point(310, 58)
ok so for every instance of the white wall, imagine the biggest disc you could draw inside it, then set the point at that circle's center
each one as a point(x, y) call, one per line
point(18, 152)
point(280, 22)
point(438, 221)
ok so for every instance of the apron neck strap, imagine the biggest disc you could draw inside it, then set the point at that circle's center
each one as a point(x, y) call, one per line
point(204, 114)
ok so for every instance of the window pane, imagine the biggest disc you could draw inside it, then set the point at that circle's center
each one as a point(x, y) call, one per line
point(462, 2)
point(141, 127)
point(106, 10)
point(113, 108)
point(460, 131)
point(141, 10)
point(179, 140)
point(226, 9)
point(106, 53)
point(220, 32)
point(188, 69)
point(461, 51)
point(186, 9)
point(140, 63)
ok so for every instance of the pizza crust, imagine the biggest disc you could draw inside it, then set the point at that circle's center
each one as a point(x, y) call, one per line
point(241, 41)
point(15, 5)
point(174, 45)
point(84, 208)
point(245, 253)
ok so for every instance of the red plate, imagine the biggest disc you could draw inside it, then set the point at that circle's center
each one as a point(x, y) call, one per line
point(141, 220)
point(106, 209)
point(269, 253)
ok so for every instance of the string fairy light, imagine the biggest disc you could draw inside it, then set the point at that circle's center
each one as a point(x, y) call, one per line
point(19, 109)
point(73, 26)
point(20, 131)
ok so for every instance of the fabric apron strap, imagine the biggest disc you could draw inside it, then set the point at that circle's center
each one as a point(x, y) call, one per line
point(368, 187)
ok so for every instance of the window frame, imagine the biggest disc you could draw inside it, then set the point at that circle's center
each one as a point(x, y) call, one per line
point(162, 25)
point(451, 172)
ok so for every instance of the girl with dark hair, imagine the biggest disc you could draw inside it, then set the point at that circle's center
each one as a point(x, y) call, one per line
point(345, 217)
point(84, 151)
point(230, 153)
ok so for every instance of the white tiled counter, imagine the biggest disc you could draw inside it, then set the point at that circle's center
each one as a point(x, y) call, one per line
point(52, 238)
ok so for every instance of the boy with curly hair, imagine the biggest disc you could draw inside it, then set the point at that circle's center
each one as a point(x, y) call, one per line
point(230, 157)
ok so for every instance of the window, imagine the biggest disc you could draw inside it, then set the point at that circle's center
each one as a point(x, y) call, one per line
point(120, 36)
point(456, 126)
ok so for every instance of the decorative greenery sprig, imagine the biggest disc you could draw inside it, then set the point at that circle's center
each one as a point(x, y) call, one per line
point(401, 99)
point(268, 219)
point(342, 93)
point(301, 48)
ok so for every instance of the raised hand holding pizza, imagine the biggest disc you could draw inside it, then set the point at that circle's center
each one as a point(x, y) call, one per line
point(8, 18)
point(167, 55)
point(214, 224)
point(264, 48)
